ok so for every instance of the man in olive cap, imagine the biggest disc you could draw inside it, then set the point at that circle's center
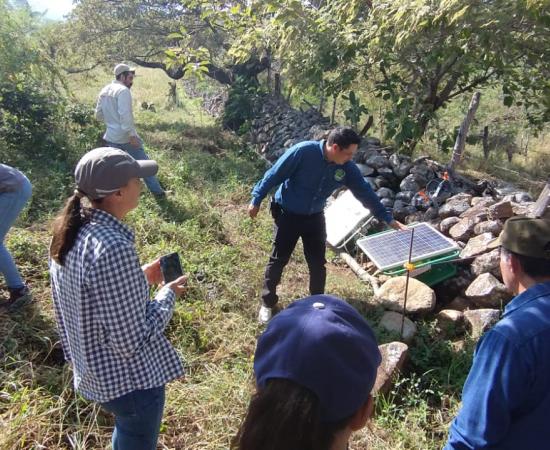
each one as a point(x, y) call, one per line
point(114, 107)
point(506, 398)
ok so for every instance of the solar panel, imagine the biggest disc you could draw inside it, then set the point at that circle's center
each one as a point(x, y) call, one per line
point(391, 249)
point(343, 216)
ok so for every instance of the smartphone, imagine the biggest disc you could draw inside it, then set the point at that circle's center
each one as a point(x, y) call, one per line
point(170, 266)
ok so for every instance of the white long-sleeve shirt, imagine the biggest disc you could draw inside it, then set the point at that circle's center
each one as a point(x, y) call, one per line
point(114, 107)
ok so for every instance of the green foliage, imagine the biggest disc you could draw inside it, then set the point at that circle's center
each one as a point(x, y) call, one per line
point(39, 133)
point(244, 96)
point(28, 114)
point(418, 55)
point(355, 109)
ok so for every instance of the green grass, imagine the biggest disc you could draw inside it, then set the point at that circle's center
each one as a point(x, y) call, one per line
point(214, 328)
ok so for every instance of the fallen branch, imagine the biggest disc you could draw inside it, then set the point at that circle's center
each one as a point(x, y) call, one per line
point(359, 271)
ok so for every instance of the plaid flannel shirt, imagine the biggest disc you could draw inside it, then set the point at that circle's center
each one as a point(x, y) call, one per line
point(111, 331)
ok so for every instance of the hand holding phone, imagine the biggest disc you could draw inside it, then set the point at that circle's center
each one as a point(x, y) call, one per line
point(170, 267)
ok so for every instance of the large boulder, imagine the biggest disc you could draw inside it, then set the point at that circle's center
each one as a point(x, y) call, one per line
point(403, 169)
point(381, 182)
point(524, 209)
point(385, 192)
point(378, 161)
point(405, 196)
point(490, 226)
point(394, 356)
point(365, 170)
point(487, 263)
point(420, 299)
point(477, 245)
point(485, 202)
point(501, 210)
point(432, 213)
point(480, 320)
point(455, 205)
point(401, 210)
point(462, 230)
point(422, 171)
point(391, 321)
point(409, 183)
point(448, 223)
point(487, 292)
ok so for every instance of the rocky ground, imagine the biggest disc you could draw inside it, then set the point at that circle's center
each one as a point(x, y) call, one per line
point(471, 212)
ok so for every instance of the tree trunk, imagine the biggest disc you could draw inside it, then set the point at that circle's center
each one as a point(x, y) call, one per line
point(458, 148)
point(333, 114)
point(322, 104)
point(277, 84)
point(485, 142)
point(367, 126)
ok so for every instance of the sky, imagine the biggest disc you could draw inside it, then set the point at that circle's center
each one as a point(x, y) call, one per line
point(56, 9)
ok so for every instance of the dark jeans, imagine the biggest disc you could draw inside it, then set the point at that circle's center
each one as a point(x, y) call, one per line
point(137, 419)
point(287, 230)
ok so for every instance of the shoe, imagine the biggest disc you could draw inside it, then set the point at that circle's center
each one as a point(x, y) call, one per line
point(163, 194)
point(18, 298)
point(264, 315)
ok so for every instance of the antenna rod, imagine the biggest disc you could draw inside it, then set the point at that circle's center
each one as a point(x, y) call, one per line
point(409, 268)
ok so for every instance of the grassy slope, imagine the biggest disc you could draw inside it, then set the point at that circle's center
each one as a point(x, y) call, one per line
point(214, 328)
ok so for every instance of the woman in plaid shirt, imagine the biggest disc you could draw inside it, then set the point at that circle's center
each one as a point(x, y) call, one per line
point(112, 332)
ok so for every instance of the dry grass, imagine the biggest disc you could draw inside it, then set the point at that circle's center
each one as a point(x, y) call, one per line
point(214, 328)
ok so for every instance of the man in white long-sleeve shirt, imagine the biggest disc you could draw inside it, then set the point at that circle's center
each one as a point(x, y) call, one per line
point(114, 107)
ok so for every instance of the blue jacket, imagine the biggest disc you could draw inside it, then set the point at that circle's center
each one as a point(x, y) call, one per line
point(307, 179)
point(506, 398)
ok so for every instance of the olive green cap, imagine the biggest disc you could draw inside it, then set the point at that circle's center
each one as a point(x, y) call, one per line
point(525, 236)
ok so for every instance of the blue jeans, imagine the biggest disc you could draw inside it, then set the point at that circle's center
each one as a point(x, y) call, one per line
point(138, 415)
point(11, 204)
point(139, 153)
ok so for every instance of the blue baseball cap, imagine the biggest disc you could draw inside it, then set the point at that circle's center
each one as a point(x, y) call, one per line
point(323, 344)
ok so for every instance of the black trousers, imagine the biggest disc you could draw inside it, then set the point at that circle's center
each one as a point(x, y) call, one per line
point(287, 230)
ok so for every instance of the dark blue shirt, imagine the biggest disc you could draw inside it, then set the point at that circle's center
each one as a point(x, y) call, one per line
point(307, 179)
point(506, 398)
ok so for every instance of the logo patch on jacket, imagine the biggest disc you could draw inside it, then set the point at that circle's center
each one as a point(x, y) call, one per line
point(340, 174)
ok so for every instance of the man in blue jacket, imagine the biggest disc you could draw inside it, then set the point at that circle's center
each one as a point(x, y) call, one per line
point(307, 174)
point(506, 398)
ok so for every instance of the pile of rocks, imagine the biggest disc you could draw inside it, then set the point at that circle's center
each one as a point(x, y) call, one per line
point(278, 127)
point(471, 301)
point(472, 222)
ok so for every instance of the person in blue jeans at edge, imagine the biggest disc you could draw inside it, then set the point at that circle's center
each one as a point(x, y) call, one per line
point(506, 397)
point(114, 108)
point(307, 174)
point(111, 331)
point(15, 192)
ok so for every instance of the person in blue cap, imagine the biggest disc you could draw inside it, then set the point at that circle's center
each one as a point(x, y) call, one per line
point(315, 366)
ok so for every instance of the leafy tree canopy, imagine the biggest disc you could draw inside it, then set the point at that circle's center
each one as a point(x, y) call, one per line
point(178, 36)
point(420, 54)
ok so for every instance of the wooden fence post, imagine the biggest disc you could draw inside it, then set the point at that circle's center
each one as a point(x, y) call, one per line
point(543, 201)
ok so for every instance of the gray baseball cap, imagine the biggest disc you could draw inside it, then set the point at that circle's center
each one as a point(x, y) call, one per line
point(105, 170)
point(119, 68)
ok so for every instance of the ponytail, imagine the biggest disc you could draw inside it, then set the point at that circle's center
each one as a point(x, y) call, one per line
point(66, 227)
point(285, 415)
